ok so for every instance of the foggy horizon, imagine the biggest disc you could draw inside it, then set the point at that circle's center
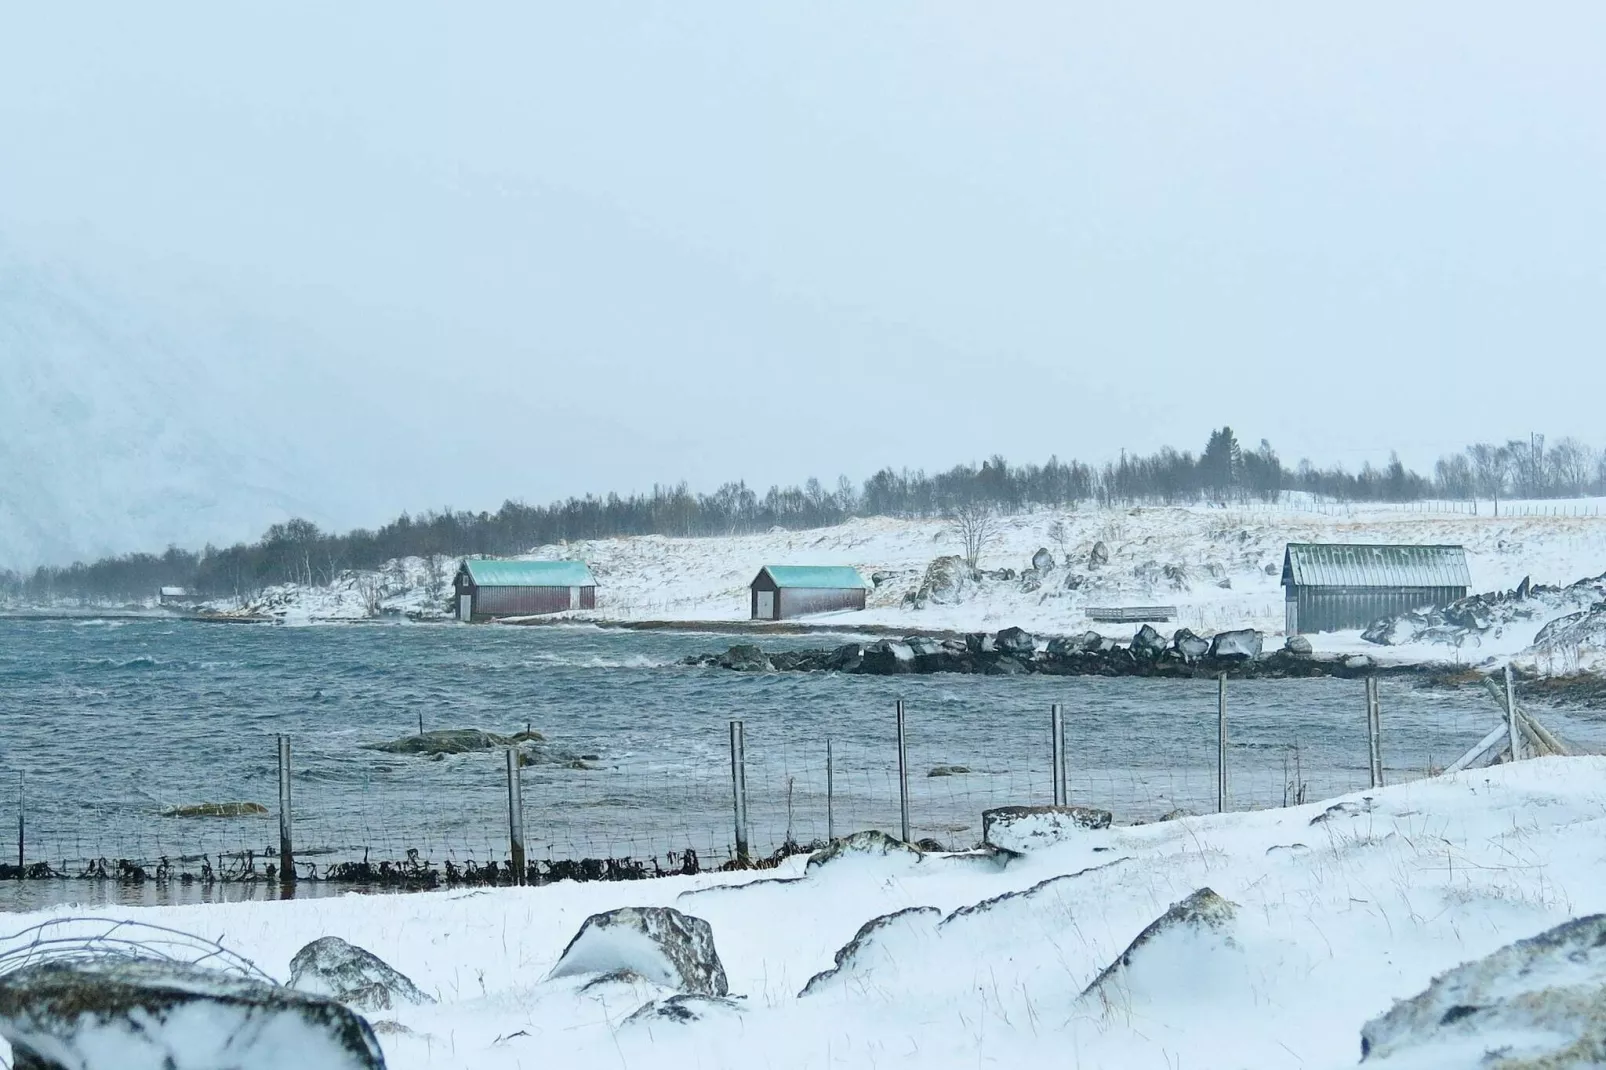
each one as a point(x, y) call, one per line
point(349, 264)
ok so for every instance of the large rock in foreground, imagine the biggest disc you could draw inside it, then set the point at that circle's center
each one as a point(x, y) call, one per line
point(1541, 1003)
point(659, 944)
point(356, 977)
point(1020, 829)
point(143, 1014)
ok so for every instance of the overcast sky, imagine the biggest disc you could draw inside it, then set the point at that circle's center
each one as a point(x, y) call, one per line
point(592, 246)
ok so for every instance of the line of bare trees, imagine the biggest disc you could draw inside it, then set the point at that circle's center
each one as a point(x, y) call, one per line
point(298, 551)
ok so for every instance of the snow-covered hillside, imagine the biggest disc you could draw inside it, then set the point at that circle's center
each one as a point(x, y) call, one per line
point(115, 436)
point(1334, 911)
point(1219, 567)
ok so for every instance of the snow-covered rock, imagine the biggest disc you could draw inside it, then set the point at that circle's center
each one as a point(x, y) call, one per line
point(659, 943)
point(147, 1014)
point(1539, 1003)
point(356, 977)
point(1020, 829)
point(684, 1009)
point(1042, 560)
point(874, 946)
point(1193, 929)
point(1481, 619)
point(1299, 646)
point(872, 843)
point(946, 582)
point(1188, 646)
point(1243, 643)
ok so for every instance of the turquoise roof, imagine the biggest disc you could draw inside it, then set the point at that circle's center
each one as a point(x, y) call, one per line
point(815, 576)
point(530, 574)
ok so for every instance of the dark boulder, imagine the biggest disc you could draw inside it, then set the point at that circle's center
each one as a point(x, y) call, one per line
point(1148, 643)
point(1099, 556)
point(1042, 560)
point(846, 658)
point(1015, 641)
point(1299, 646)
point(452, 741)
point(888, 657)
point(1241, 645)
point(745, 657)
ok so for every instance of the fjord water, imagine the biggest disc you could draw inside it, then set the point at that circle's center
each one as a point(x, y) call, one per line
point(104, 724)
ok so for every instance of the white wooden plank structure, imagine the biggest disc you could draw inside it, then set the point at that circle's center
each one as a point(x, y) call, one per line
point(1519, 734)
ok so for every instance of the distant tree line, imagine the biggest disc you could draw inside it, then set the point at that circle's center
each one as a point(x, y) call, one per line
point(1224, 472)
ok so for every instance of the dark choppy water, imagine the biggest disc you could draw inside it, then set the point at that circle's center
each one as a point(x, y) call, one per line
point(105, 724)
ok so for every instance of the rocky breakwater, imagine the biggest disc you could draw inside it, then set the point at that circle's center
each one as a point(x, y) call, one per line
point(1014, 652)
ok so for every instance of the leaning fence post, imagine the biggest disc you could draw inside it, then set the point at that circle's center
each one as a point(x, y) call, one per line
point(515, 816)
point(830, 795)
point(1511, 716)
point(1057, 744)
point(287, 861)
point(903, 772)
point(1221, 743)
point(739, 787)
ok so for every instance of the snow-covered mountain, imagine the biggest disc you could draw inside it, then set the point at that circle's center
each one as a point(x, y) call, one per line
point(115, 436)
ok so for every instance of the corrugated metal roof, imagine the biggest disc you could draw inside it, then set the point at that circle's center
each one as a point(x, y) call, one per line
point(815, 576)
point(530, 574)
point(1307, 564)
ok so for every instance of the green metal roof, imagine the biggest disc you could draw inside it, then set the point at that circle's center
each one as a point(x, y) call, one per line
point(1364, 565)
point(530, 574)
point(815, 576)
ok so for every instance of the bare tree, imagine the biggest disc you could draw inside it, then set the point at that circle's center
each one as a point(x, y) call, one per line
point(1571, 465)
point(1491, 470)
point(371, 590)
point(1059, 533)
point(975, 525)
point(434, 576)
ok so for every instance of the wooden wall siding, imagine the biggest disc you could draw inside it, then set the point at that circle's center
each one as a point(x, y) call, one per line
point(1334, 609)
point(528, 601)
point(801, 601)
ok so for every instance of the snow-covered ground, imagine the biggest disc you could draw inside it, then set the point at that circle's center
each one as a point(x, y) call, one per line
point(1340, 911)
point(1220, 567)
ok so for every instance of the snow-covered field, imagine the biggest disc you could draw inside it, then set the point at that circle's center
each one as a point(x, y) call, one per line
point(1340, 911)
point(1220, 567)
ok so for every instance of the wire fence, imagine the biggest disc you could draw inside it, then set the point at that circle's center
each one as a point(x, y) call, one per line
point(643, 812)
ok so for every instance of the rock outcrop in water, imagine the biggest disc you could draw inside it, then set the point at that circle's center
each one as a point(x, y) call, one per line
point(452, 741)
